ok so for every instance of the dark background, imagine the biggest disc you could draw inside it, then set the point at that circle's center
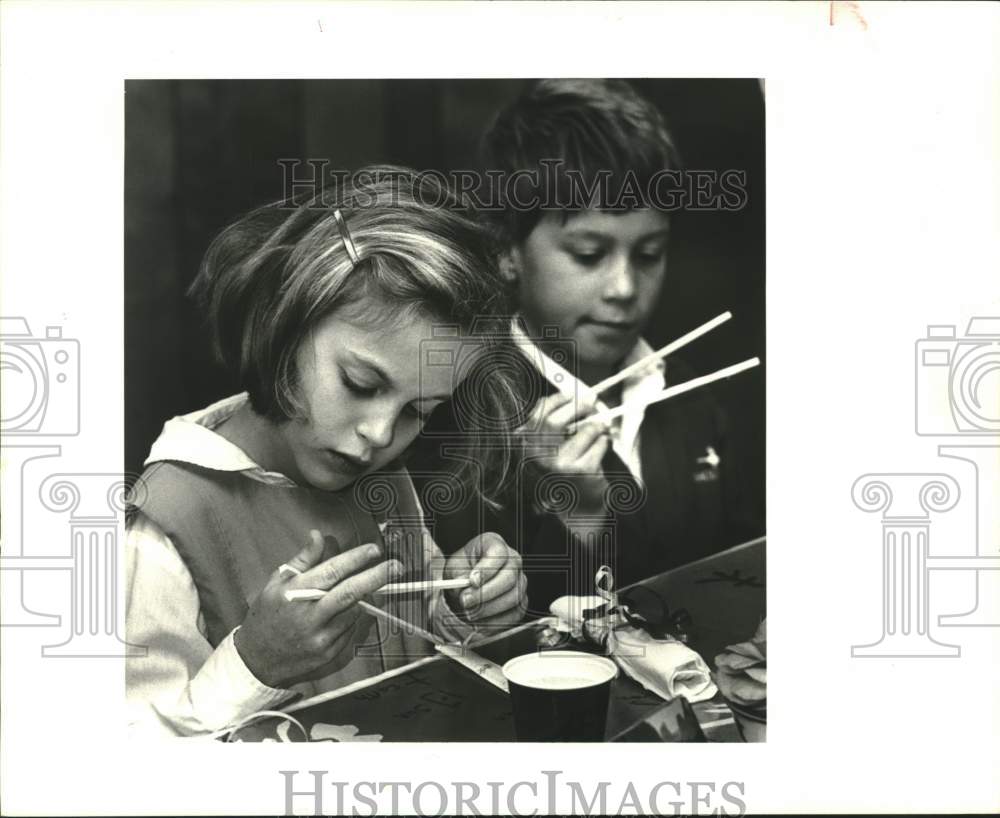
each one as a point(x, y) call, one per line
point(198, 153)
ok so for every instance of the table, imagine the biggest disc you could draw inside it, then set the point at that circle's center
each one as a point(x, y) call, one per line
point(436, 699)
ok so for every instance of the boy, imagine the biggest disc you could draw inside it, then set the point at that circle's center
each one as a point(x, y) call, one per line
point(585, 241)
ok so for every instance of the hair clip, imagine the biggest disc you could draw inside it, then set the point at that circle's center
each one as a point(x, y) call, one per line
point(345, 236)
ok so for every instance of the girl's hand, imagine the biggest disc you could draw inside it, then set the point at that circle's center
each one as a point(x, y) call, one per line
point(578, 456)
point(497, 596)
point(284, 642)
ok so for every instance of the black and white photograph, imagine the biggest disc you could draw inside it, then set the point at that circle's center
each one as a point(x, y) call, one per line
point(431, 443)
point(499, 408)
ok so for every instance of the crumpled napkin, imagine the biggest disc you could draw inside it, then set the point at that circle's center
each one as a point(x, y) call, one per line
point(742, 671)
point(665, 667)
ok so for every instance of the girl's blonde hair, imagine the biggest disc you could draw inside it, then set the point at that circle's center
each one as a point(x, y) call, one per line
point(272, 276)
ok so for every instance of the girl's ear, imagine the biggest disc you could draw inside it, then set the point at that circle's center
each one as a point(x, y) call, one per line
point(510, 265)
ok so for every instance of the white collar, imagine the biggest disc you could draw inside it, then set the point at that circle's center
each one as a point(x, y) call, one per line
point(191, 439)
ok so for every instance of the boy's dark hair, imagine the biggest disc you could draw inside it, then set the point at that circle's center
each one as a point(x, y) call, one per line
point(587, 142)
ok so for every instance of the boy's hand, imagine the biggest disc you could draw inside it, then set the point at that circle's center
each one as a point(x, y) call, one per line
point(497, 597)
point(283, 642)
point(578, 456)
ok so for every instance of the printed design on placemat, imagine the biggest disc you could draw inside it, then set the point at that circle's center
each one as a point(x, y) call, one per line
point(734, 577)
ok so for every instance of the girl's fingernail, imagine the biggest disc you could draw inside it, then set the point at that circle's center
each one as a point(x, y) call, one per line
point(476, 578)
point(466, 599)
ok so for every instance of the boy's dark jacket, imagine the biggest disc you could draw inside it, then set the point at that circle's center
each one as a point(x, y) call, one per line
point(688, 508)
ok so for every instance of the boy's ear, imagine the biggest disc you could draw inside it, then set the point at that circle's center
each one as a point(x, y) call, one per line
point(510, 265)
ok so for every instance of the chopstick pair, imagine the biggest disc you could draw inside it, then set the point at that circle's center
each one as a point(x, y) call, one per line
point(490, 671)
point(663, 352)
point(687, 386)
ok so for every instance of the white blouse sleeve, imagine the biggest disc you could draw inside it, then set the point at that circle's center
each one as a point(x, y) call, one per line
point(180, 685)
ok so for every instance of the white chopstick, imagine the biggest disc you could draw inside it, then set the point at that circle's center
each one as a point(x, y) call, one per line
point(316, 593)
point(409, 627)
point(305, 593)
point(490, 671)
point(687, 386)
point(424, 585)
point(288, 571)
point(663, 352)
point(391, 588)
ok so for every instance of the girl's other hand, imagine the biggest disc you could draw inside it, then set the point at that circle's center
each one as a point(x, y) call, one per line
point(497, 595)
point(283, 642)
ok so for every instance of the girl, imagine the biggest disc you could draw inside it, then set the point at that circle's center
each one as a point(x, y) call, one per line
point(297, 483)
